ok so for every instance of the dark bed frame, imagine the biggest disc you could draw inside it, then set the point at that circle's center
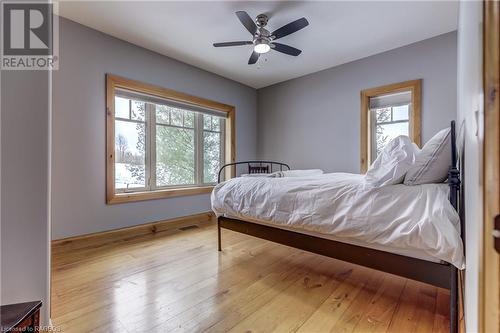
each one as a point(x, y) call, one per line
point(441, 274)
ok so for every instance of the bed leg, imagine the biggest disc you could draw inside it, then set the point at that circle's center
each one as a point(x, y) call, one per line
point(219, 241)
point(453, 300)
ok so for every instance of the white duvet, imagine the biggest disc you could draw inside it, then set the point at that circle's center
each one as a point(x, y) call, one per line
point(408, 218)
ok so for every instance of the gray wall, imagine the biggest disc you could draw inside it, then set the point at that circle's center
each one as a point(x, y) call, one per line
point(24, 194)
point(310, 122)
point(314, 121)
point(78, 184)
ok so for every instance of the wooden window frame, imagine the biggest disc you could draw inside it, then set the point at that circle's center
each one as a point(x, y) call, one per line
point(415, 87)
point(114, 82)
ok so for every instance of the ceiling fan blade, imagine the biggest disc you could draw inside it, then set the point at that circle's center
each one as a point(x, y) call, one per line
point(233, 43)
point(286, 49)
point(247, 21)
point(290, 28)
point(253, 58)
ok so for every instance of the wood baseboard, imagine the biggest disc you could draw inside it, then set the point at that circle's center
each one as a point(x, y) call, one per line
point(117, 235)
point(461, 310)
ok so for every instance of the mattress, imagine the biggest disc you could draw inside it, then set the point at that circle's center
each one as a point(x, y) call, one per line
point(416, 221)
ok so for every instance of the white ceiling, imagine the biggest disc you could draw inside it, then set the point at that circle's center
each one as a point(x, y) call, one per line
point(338, 32)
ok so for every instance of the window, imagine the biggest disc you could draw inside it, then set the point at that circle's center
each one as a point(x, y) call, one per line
point(389, 118)
point(387, 112)
point(163, 143)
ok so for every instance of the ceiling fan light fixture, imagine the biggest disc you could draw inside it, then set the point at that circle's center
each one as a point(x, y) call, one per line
point(262, 48)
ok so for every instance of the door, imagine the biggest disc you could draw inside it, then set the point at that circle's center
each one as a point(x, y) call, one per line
point(490, 292)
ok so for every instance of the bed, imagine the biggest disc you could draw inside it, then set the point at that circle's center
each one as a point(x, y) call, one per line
point(411, 231)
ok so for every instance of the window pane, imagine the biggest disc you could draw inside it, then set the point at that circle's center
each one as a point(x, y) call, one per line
point(383, 115)
point(174, 156)
point(400, 112)
point(188, 119)
point(122, 107)
point(176, 115)
point(216, 123)
point(207, 122)
point(138, 110)
point(162, 114)
point(130, 151)
point(387, 132)
point(211, 156)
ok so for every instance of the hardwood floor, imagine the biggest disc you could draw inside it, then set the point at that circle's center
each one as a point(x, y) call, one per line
point(176, 281)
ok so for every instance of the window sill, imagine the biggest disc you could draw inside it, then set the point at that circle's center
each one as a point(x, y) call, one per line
point(118, 198)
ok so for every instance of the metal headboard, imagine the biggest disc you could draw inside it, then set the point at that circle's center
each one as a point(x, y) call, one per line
point(454, 178)
point(256, 166)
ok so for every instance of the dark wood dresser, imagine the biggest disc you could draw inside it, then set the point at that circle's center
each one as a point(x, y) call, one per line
point(20, 317)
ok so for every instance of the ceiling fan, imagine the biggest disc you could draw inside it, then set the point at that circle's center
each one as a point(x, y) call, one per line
point(263, 40)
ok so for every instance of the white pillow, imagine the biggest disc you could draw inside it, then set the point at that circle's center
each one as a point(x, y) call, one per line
point(433, 161)
point(392, 163)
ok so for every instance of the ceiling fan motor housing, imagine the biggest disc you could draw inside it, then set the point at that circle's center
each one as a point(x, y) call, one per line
point(261, 40)
point(261, 20)
point(262, 35)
